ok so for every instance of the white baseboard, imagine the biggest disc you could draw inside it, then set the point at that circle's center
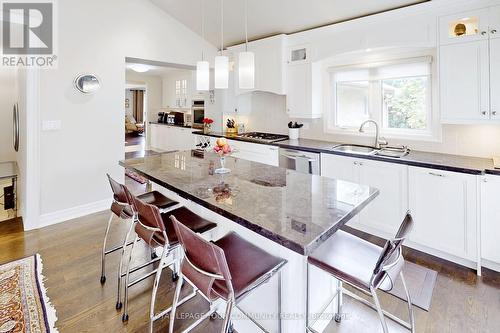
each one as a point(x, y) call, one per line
point(72, 213)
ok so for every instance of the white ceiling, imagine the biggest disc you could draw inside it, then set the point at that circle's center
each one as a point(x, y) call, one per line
point(270, 17)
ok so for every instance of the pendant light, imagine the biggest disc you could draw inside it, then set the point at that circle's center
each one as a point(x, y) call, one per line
point(246, 67)
point(202, 67)
point(221, 61)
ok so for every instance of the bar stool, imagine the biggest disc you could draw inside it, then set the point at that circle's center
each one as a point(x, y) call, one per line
point(229, 268)
point(367, 268)
point(156, 229)
point(122, 209)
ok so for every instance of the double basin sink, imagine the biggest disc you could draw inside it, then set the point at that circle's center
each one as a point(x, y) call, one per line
point(367, 150)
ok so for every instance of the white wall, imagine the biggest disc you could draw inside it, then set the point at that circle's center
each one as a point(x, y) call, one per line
point(8, 96)
point(75, 159)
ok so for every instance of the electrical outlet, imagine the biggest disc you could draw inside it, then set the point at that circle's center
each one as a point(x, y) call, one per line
point(51, 125)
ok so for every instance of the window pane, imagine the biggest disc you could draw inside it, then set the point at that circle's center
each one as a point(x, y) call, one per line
point(352, 103)
point(405, 102)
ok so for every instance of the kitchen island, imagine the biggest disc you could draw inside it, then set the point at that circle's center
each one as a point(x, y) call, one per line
point(287, 213)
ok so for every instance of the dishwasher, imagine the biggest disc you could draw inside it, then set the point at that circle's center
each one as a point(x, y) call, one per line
point(300, 161)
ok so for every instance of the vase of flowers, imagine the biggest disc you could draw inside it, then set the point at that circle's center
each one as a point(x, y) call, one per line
point(222, 149)
point(207, 125)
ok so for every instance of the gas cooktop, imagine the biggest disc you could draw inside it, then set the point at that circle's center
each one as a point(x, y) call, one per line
point(263, 137)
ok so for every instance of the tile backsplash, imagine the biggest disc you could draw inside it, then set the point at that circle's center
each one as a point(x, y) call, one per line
point(266, 112)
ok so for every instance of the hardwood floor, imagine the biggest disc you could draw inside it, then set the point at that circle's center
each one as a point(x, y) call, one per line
point(70, 252)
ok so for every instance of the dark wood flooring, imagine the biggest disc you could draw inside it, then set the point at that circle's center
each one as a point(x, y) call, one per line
point(462, 302)
point(134, 139)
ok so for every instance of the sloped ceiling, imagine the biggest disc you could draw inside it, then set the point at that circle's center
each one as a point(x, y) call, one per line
point(270, 17)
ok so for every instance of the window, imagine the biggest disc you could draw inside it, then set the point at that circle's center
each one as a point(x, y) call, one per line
point(397, 95)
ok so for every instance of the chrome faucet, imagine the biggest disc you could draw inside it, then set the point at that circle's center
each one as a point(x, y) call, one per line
point(378, 141)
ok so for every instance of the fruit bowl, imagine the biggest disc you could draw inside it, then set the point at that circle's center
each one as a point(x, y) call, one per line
point(223, 149)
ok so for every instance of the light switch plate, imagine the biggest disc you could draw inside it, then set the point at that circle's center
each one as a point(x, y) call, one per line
point(51, 125)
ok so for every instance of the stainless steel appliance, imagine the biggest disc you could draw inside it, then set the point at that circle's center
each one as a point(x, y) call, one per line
point(300, 161)
point(198, 111)
point(263, 137)
point(161, 117)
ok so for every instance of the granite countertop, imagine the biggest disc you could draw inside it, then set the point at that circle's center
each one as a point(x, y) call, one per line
point(298, 211)
point(447, 162)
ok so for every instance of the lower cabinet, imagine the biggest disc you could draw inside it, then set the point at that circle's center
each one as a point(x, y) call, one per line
point(490, 221)
point(444, 207)
point(383, 215)
point(255, 152)
point(169, 138)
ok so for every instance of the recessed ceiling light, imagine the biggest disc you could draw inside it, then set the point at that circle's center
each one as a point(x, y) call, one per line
point(368, 50)
point(139, 68)
point(465, 19)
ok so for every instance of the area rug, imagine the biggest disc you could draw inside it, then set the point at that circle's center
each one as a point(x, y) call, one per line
point(24, 305)
point(420, 282)
point(135, 176)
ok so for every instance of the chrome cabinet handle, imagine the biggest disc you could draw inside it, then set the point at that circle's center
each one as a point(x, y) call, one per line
point(494, 31)
point(484, 113)
point(15, 112)
point(494, 113)
point(483, 33)
point(355, 163)
point(436, 174)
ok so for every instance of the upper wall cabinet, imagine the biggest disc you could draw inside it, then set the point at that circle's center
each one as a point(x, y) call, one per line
point(469, 67)
point(177, 90)
point(269, 65)
point(464, 27)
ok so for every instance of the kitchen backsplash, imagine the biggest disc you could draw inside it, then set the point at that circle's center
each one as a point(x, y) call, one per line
point(268, 114)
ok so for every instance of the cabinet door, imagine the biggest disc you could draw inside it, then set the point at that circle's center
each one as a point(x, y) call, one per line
point(387, 211)
point(464, 70)
point(154, 139)
point(464, 27)
point(494, 22)
point(340, 167)
point(255, 152)
point(490, 222)
point(443, 205)
point(298, 95)
point(495, 78)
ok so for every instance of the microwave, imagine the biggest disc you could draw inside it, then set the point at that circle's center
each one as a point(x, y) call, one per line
point(198, 112)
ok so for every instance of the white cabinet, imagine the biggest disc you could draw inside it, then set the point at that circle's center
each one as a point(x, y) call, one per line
point(495, 77)
point(464, 27)
point(444, 208)
point(255, 152)
point(490, 220)
point(269, 64)
point(304, 90)
point(177, 89)
point(170, 138)
point(464, 72)
point(494, 22)
point(384, 214)
point(469, 66)
point(339, 167)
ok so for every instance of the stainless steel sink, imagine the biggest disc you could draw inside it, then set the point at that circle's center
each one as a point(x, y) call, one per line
point(355, 149)
point(393, 152)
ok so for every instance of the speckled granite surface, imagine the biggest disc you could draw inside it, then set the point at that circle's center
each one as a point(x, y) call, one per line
point(448, 162)
point(298, 211)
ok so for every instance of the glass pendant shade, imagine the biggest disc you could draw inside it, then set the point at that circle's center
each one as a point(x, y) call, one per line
point(246, 70)
point(221, 72)
point(202, 75)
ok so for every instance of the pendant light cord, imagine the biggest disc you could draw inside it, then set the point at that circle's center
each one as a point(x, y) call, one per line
point(202, 28)
point(221, 26)
point(246, 25)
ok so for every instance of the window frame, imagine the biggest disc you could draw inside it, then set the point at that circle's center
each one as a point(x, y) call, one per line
point(431, 133)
